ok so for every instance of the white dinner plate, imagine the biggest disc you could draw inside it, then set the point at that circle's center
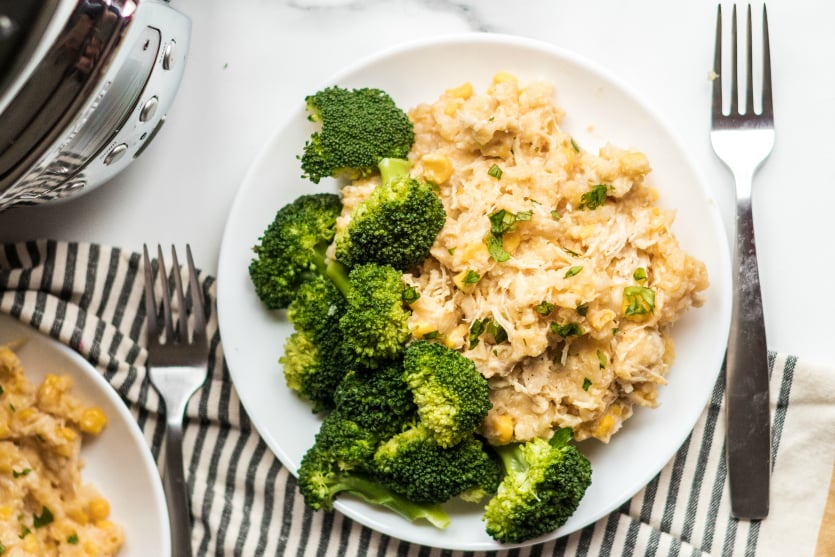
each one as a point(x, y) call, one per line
point(599, 109)
point(117, 461)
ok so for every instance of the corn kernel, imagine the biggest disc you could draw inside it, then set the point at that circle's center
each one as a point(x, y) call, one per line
point(31, 544)
point(511, 241)
point(463, 91)
point(5, 512)
point(99, 509)
point(604, 426)
point(455, 338)
point(436, 168)
point(92, 420)
point(634, 164)
point(423, 328)
point(460, 281)
point(503, 77)
point(452, 106)
point(499, 428)
point(68, 433)
point(78, 515)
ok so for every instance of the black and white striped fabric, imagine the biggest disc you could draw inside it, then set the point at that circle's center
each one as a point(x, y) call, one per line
point(245, 502)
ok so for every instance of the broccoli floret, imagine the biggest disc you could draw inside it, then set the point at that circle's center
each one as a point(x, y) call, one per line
point(396, 225)
point(378, 401)
point(313, 361)
point(375, 325)
point(292, 249)
point(452, 397)
point(358, 128)
point(543, 484)
point(413, 464)
point(337, 463)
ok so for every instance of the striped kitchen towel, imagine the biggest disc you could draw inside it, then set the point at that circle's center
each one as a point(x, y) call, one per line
point(245, 502)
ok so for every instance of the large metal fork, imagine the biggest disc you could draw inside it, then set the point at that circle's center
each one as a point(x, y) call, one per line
point(743, 139)
point(177, 365)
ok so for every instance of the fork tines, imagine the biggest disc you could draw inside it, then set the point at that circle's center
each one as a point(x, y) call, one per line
point(180, 332)
point(748, 108)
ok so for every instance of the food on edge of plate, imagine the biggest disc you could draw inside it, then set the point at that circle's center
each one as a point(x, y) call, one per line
point(469, 307)
point(46, 507)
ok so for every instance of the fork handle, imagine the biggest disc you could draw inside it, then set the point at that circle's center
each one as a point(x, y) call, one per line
point(747, 392)
point(175, 487)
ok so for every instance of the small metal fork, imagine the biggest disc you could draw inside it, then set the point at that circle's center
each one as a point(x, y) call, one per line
point(743, 139)
point(177, 365)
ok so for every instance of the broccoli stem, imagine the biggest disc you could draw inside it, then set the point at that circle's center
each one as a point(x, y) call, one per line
point(393, 169)
point(512, 459)
point(332, 269)
point(373, 493)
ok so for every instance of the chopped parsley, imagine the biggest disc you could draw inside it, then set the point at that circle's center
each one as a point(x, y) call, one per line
point(24, 472)
point(566, 329)
point(570, 252)
point(493, 328)
point(46, 517)
point(431, 335)
point(638, 300)
point(1, 390)
point(544, 308)
point(595, 197)
point(555, 215)
point(452, 251)
point(24, 531)
point(502, 221)
point(583, 309)
point(586, 383)
point(601, 358)
point(411, 295)
point(574, 145)
point(475, 331)
point(640, 274)
point(471, 277)
point(495, 172)
point(573, 271)
point(72, 539)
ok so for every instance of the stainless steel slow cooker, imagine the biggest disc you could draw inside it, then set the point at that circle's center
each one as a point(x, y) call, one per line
point(85, 86)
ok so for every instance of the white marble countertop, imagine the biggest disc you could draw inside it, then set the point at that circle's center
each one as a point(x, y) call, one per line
point(252, 61)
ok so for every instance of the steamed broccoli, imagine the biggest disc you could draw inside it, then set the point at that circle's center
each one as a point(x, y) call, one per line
point(413, 464)
point(396, 225)
point(292, 249)
point(452, 397)
point(313, 359)
point(375, 325)
point(291, 252)
point(338, 463)
point(378, 400)
point(543, 485)
point(358, 128)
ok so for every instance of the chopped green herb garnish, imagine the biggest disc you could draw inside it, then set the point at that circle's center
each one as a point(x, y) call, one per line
point(24, 531)
point(615, 330)
point(640, 274)
point(566, 329)
point(471, 277)
point(570, 252)
point(12, 408)
point(583, 309)
point(586, 384)
point(475, 331)
point(452, 251)
point(495, 172)
point(494, 246)
point(72, 539)
point(573, 271)
point(601, 358)
point(46, 517)
point(1, 390)
point(639, 300)
point(555, 215)
point(493, 328)
point(544, 308)
point(595, 197)
point(411, 295)
point(2, 548)
point(24, 472)
point(431, 335)
point(574, 144)
point(502, 221)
